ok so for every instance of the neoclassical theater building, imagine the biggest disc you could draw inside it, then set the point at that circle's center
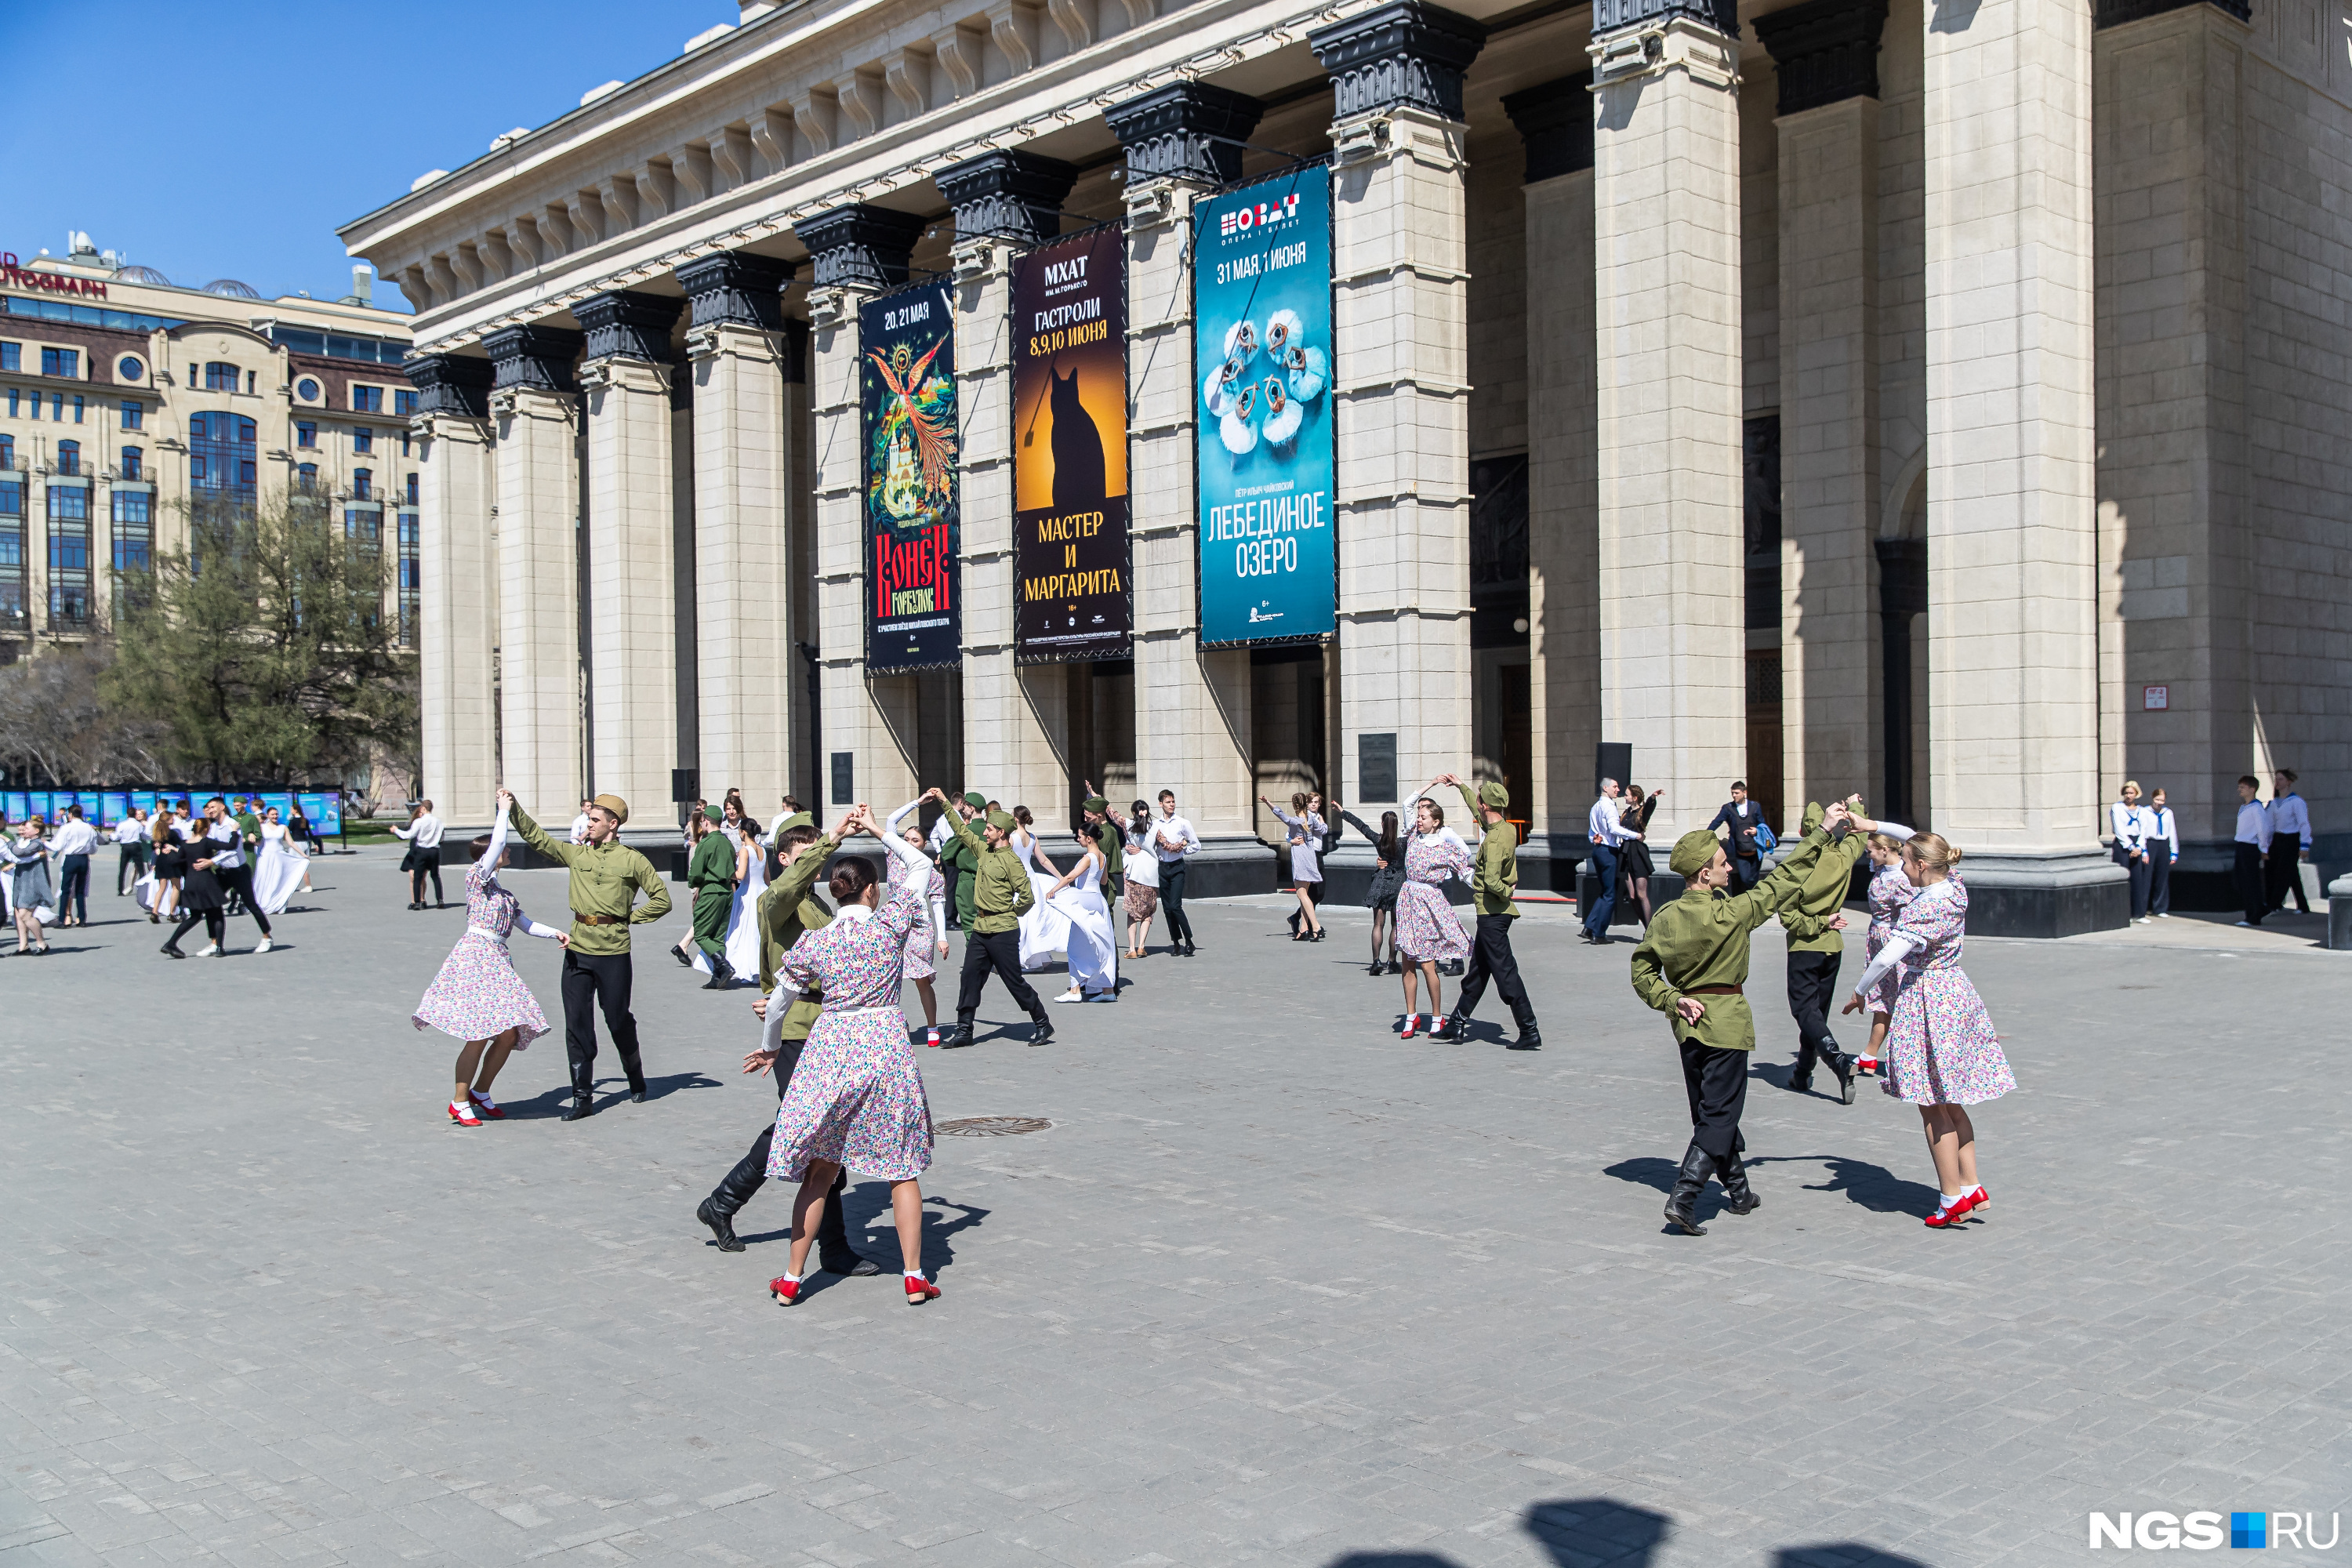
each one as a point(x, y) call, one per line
point(1945, 400)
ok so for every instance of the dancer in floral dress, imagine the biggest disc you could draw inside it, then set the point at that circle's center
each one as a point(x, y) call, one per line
point(1427, 931)
point(856, 1099)
point(477, 997)
point(928, 940)
point(1890, 893)
point(1942, 1054)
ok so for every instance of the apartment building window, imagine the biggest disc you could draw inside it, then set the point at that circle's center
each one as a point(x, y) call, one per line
point(129, 467)
point(367, 399)
point(221, 455)
point(134, 530)
point(410, 582)
point(305, 478)
point(251, 378)
point(306, 433)
point(412, 486)
point(363, 482)
point(364, 526)
point(12, 357)
point(12, 553)
point(362, 439)
point(66, 362)
point(221, 376)
point(12, 402)
point(403, 402)
point(404, 444)
point(7, 452)
point(69, 457)
point(68, 558)
point(58, 406)
point(134, 415)
point(78, 409)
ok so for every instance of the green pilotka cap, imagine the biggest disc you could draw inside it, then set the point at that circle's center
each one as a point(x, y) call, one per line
point(1693, 852)
point(1002, 821)
point(797, 819)
point(1494, 796)
point(1098, 804)
point(975, 800)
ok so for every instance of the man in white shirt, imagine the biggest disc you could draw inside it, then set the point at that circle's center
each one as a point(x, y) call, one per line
point(2290, 844)
point(580, 825)
point(72, 844)
point(424, 858)
point(1608, 833)
point(131, 840)
point(219, 849)
point(1172, 839)
point(2253, 843)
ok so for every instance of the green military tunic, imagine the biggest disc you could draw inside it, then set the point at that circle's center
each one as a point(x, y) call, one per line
point(957, 856)
point(710, 872)
point(1113, 843)
point(1701, 940)
point(1495, 879)
point(1823, 891)
point(1001, 892)
point(788, 910)
point(606, 879)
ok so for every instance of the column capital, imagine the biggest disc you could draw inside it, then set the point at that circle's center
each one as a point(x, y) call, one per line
point(2116, 13)
point(1554, 121)
point(1624, 15)
point(1404, 55)
point(1826, 51)
point(625, 325)
point(736, 286)
point(860, 244)
point(450, 384)
point(1188, 131)
point(536, 357)
point(1007, 196)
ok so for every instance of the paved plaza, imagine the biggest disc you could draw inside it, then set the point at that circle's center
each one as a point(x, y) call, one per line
point(1274, 1287)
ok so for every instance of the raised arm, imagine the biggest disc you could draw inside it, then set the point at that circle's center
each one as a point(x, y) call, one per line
point(1784, 882)
point(536, 836)
point(890, 826)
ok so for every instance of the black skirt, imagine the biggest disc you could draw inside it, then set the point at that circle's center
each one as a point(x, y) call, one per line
point(1633, 859)
point(201, 890)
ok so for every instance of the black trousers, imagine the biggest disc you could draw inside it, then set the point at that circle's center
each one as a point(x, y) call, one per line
point(750, 1173)
point(1172, 901)
point(1812, 978)
point(1490, 956)
point(2138, 871)
point(2159, 879)
point(955, 875)
point(216, 926)
point(425, 863)
point(2282, 875)
point(1717, 1082)
point(237, 883)
point(73, 887)
point(2246, 874)
point(999, 951)
point(130, 868)
point(1746, 870)
point(592, 981)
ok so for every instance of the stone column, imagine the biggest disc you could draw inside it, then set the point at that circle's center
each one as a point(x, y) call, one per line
point(868, 720)
point(456, 560)
point(632, 543)
point(749, 691)
point(1401, 389)
point(1563, 574)
point(1191, 705)
point(540, 714)
point(1016, 717)
point(1827, 54)
point(1665, 197)
point(2012, 651)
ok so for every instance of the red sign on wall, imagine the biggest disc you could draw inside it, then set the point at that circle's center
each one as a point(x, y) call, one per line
point(18, 277)
point(2154, 698)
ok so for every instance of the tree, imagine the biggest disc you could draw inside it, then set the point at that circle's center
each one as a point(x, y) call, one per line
point(263, 651)
point(55, 725)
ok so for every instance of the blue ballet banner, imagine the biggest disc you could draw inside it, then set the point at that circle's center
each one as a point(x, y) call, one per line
point(1262, 350)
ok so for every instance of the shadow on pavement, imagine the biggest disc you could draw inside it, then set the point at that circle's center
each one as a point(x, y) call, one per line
point(1602, 1532)
point(1874, 1187)
point(1842, 1555)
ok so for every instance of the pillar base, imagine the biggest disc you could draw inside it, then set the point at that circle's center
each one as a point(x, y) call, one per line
point(1347, 876)
point(2062, 893)
point(1549, 866)
point(1228, 866)
point(2339, 913)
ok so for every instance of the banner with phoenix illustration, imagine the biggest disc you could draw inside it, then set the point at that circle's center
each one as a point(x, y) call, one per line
point(1069, 450)
point(907, 390)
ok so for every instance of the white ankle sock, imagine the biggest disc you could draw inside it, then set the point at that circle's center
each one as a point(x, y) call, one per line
point(914, 1274)
point(1948, 1199)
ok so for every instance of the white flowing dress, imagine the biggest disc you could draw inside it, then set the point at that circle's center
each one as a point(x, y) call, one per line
point(741, 940)
point(1089, 930)
point(1044, 930)
point(278, 869)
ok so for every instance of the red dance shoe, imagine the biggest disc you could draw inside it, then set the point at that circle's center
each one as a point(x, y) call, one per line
point(463, 1115)
point(920, 1289)
point(786, 1290)
point(1412, 1020)
point(934, 1039)
point(485, 1106)
point(1954, 1214)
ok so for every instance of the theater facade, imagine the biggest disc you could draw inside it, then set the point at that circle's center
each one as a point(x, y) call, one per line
point(1941, 400)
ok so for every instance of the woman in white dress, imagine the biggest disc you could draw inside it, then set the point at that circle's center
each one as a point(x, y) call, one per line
point(1093, 940)
point(279, 868)
point(1044, 930)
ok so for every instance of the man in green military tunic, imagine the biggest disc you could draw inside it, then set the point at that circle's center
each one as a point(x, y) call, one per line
point(1495, 883)
point(1112, 840)
point(1690, 966)
point(606, 877)
point(710, 872)
point(787, 910)
point(1817, 949)
point(1000, 896)
point(957, 861)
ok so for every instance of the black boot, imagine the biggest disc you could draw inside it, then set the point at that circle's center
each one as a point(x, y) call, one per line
point(1841, 1067)
point(721, 1221)
point(1530, 1038)
point(722, 974)
point(685, 959)
point(1041, 1030)
point(1452, 1029)
point(961, 1035)
point(584, 1104)
point(1689, 1183)
point(1741, 1197)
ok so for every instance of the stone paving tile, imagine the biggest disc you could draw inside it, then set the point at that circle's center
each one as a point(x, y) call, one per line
point(1276, 1288)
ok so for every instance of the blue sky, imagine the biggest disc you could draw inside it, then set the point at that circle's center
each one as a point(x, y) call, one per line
point(232, 139)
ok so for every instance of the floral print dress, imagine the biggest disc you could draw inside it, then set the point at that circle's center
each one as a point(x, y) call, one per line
point(477, 996)
point(856, 1098)
point(1940, 1046)
point(1426, 926)
point(1891, 893)
point(921, 941)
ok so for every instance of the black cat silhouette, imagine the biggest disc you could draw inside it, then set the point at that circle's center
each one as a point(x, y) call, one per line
point(1078, 482)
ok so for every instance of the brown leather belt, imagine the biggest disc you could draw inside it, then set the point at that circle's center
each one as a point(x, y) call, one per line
point(1712, 991)
point(600, 919)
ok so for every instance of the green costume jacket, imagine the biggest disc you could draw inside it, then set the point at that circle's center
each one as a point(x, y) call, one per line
point(710, 872)
point(1001, 894)
point(788, 910)
point(1823, 891)
point(1495, 879)
point(1702, 939)
point(954, 855)
point(606, 879)
point(1113, 843)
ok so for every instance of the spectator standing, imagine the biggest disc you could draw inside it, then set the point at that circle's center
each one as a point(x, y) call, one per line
point(2253, 842)
point(2290, 844)
point(2131, 847)
point(72, 845)
point(130, 843)
point(424, 856)
point(1739, 818)
point(2162, 836)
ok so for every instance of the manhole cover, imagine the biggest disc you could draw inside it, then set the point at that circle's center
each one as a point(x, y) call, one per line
point(992, 1126)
